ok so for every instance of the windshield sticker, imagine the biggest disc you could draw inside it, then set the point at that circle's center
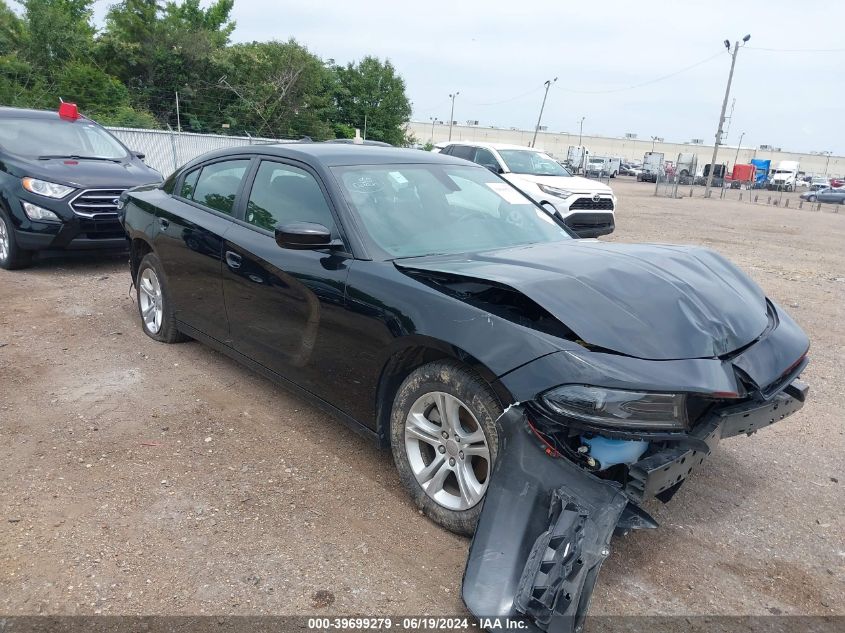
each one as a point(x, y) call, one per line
point(364, 184)
point(507, 193)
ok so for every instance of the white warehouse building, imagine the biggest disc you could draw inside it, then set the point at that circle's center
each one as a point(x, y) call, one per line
point(557, 143)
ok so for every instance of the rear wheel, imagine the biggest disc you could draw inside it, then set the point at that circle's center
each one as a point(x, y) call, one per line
point(12, 256)
point(444, 439)
point(154, 303)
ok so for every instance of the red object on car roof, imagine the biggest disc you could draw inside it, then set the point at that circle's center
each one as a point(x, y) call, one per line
point(68, 111)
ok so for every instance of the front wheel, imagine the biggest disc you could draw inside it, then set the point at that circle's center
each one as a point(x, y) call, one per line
point(444, 439)
point(12, 256)
point(811, 198)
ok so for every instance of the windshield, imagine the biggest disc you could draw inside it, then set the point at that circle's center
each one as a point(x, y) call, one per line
point(58, 138)
point(426, 209)
point(526, 161)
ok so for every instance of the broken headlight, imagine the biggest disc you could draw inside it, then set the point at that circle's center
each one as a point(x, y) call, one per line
point(619, 408)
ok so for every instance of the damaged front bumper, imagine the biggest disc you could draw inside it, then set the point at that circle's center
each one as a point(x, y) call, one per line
point(546, 524)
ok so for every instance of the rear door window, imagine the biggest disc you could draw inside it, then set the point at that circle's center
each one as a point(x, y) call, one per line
point(463, 151)
point(217, 185)
point(189, 184)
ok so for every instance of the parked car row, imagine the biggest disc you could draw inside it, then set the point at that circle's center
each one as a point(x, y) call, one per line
point(535, 389)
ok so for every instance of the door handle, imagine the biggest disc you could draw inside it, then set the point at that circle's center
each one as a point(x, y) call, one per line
point(163, 224)
point(233, 260)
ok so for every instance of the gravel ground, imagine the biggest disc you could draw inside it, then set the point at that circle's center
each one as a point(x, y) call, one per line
point(141, 478)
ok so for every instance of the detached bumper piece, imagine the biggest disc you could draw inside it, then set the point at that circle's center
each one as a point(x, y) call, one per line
point(563, 566)
point(543, 533)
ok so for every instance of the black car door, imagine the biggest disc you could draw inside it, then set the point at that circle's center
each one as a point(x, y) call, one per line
point(189, 242)
point(286, 307)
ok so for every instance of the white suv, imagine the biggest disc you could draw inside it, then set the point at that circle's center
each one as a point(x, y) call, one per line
point(586, 206)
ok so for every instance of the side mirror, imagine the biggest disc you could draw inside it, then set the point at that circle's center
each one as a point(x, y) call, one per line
point(495, 169)
point(304, 236)
point(140, 155)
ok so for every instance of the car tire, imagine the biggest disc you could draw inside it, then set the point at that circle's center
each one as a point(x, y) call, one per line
point(12, 256)
point(447, 484)
point(154, 305)
point(811, 198)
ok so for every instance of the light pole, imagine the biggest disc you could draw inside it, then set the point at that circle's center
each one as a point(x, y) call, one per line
point(452, 115)
point(581, 130)
point(548, 83)
point(738, 145)
point(433, 121)
point(722, 115)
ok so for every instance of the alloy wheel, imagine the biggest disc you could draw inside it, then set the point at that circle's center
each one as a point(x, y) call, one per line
point(5, 240)
point(447, 450)
point(150, 300)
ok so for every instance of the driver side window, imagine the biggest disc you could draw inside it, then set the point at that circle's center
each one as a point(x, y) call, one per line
point(282, 194)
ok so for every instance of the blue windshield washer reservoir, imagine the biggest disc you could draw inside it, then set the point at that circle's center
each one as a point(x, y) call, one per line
point(609, 452)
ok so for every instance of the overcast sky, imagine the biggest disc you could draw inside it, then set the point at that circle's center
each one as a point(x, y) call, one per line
point(498, 54)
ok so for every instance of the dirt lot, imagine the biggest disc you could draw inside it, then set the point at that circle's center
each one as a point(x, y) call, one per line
point(141, 478)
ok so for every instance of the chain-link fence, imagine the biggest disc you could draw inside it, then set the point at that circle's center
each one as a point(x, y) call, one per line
point(684, 179)
point(166, 150)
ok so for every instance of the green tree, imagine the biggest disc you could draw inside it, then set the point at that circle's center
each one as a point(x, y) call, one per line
point(11, 30)
point(46, 57)
point(56, 32)
point(371, 96)
point(278, 89)
point(158, 49)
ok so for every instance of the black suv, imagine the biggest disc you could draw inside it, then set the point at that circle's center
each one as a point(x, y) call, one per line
point(61, 176)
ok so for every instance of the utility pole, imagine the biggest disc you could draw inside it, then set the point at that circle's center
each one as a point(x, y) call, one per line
point(548, 83)
point(736, 158)
point(722, 115)
point(433, 121)
point(452, 115)
point(178, 118)
point(827, 162)
point(365, 126)
point(581, 130)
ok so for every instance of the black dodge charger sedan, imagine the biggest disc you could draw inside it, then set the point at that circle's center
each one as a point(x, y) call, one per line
point(61, 176)
point(433, 306)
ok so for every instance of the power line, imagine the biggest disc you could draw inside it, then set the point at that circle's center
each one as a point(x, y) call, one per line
point(509, 99)
point(797, 50)
point(645, 83)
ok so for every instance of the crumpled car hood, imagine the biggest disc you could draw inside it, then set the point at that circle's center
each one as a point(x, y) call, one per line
point(657, 302)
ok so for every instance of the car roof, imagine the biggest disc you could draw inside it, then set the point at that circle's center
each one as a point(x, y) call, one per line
point(338, 154)
point(28, 113)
